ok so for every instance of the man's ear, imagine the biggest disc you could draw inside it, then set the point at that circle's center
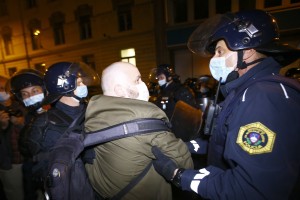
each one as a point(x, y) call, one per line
point(119, 91)
point(248, 53)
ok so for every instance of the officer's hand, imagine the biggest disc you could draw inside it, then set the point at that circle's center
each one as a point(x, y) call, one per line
point(163, 164)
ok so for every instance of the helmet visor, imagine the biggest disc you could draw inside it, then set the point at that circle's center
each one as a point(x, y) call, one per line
point(201, 39)
point(87, 74)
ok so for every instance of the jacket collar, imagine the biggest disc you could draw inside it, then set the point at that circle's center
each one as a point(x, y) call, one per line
point(267, 67)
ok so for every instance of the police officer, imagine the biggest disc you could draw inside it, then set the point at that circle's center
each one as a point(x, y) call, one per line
point(66, 84)
point(171, 90)
point(27, 85)
point(254, 149)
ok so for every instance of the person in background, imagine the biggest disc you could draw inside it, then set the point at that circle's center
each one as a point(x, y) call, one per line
point(253, 150)
point(117, 163)
point(27, 85)
point(11, 123)
point(171, 90)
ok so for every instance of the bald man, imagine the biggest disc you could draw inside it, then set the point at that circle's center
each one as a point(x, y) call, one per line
point(119, 162)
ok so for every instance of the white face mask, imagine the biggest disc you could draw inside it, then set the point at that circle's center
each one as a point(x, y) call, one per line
point(219, 69)
point(81, 91)
point(162, 82)
point(143, 92)
point(33, 99)
point(4, 96)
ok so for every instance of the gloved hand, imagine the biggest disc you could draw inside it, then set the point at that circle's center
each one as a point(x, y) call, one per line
point(163, 164)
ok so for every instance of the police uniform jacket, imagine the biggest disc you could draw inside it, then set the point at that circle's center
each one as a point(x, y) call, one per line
point(118, 162)
point(254, 151)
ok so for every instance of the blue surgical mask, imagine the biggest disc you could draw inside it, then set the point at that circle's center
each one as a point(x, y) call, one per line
point(33, 99)
point(162, 82)
point(81, 91)
point(219, 69)
point(4, 96)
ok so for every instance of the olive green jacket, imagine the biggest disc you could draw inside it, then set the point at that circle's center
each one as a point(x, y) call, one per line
point(118, 162)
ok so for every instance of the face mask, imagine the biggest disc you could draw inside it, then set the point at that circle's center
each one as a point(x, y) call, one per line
point(162, 82)
point(33, 99)
point(143, 92)
point(219, 69)
point(4, 96)
point(81, 91)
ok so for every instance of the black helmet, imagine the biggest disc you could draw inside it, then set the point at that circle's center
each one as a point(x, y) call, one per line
point(166, 69)
point(23, 79)
point(61, 79)
point(255, 29)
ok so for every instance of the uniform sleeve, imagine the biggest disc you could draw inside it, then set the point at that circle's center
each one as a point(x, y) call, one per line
point(175, 148)
point(198, 146)
point(262, 148)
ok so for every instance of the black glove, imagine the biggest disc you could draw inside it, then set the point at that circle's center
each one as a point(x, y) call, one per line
point(163, 164)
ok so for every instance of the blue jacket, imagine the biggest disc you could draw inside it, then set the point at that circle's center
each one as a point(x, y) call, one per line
point(254, 151)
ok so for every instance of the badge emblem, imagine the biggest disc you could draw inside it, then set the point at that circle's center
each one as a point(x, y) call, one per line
point(256, 138)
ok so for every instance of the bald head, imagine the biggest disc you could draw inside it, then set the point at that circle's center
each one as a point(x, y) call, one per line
point(117, 76)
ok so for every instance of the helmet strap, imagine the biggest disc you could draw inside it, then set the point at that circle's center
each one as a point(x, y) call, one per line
point(241, 64)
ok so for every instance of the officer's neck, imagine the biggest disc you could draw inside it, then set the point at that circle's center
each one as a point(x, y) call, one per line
point(69, 101)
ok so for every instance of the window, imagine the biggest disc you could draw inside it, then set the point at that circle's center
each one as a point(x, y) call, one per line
point(41, 67)
point(200, 9)
point(90, 60)
point(57, 21)
point(31, 3)
point(128, 55)
point(124, 17)
point(247, 4)
point(295, 1)
point(6, 35)
point(3, 8)
point(12, 70)
point(272, 3)
point(180, 11)
point(35, 31)
point(223, 6)
point(83, 15)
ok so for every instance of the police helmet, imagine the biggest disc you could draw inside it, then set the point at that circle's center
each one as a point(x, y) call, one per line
point(25, 78)
point(255, 29)
point(166, 69)
point(61, 79)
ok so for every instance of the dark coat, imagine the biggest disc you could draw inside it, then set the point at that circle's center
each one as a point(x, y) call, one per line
point(254, 151)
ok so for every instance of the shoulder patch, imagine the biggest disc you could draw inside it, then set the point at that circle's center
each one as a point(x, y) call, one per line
point(256, 138)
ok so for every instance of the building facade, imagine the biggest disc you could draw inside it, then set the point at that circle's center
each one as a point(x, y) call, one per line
point(38, 33)
point(183, 16)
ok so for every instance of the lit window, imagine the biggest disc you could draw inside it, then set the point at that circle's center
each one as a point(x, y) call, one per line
point(128, 55)
point(35, 33)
